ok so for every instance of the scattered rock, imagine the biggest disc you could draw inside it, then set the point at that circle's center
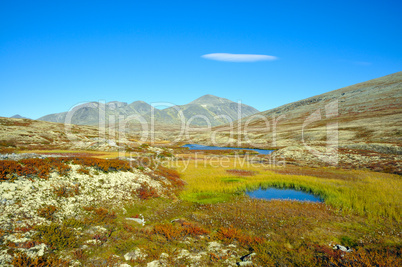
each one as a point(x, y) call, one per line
point(184, 253)
point(246, 260)
point(245, 263)
point(36, 251)
point(134, 255)
point(342, 248)
point(214, 246)
point(138, 220)
point(155, 263)
point(164, 255)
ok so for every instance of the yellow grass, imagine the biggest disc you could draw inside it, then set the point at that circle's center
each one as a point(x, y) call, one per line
point(364, 192)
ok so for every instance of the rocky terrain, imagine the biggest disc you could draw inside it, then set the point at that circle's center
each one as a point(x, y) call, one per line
point(25, 134)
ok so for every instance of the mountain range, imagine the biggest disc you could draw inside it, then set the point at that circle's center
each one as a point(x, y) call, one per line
point(200, 112)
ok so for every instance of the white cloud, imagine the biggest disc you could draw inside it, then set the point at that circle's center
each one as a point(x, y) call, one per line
point(239, 57)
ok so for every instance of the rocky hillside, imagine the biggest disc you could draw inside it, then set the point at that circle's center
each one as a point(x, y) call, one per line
point(366, 113)
point(20, 134)
point(206, 109)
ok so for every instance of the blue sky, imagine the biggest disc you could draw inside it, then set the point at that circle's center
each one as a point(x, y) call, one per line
point(55, 54)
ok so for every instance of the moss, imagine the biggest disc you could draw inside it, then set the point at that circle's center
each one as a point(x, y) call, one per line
point(207, 197)
point(125, 246)
point(348, 241)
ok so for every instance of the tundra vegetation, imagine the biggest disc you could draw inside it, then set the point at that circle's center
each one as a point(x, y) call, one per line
point(80, 209)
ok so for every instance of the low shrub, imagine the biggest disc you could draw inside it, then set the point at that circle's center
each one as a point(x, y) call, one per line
point(100, 215)
point(66, 190)
point(146, 192)
point(56, 236)
point(230, 234)
point(48, 212)
point(193, 229)
point(172, 175)
point(83, 170)
point(105, 165)
point(169, 231)
point(22, 260)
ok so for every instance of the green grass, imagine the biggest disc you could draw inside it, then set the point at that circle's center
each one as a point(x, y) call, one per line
point(232, 180)
point(207, 197)
point(363, 192)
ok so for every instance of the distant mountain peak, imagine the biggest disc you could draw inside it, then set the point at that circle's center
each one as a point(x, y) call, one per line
point(116, 104)
point(18, 116)
point(210, 100)
point(139, 102)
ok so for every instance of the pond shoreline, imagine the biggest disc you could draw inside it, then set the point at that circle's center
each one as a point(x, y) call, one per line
point(202, 147)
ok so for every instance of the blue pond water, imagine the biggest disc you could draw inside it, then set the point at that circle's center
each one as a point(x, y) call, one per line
point(201, 147)
point(287, 194)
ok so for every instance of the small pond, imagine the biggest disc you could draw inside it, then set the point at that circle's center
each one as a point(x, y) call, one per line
point(201, 147)
point(285, 194)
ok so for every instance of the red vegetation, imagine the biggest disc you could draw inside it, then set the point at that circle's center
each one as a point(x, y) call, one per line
point(83, 170)
point(22, 229)
point(146, 192)
point(32, 167)
point(105, 165)
point(169, 231)
point(175, 231)
point(231, 234)
point(100, 215)
point(172, 175)
point(193, 229)
point(41, 168)
point(66, 191)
